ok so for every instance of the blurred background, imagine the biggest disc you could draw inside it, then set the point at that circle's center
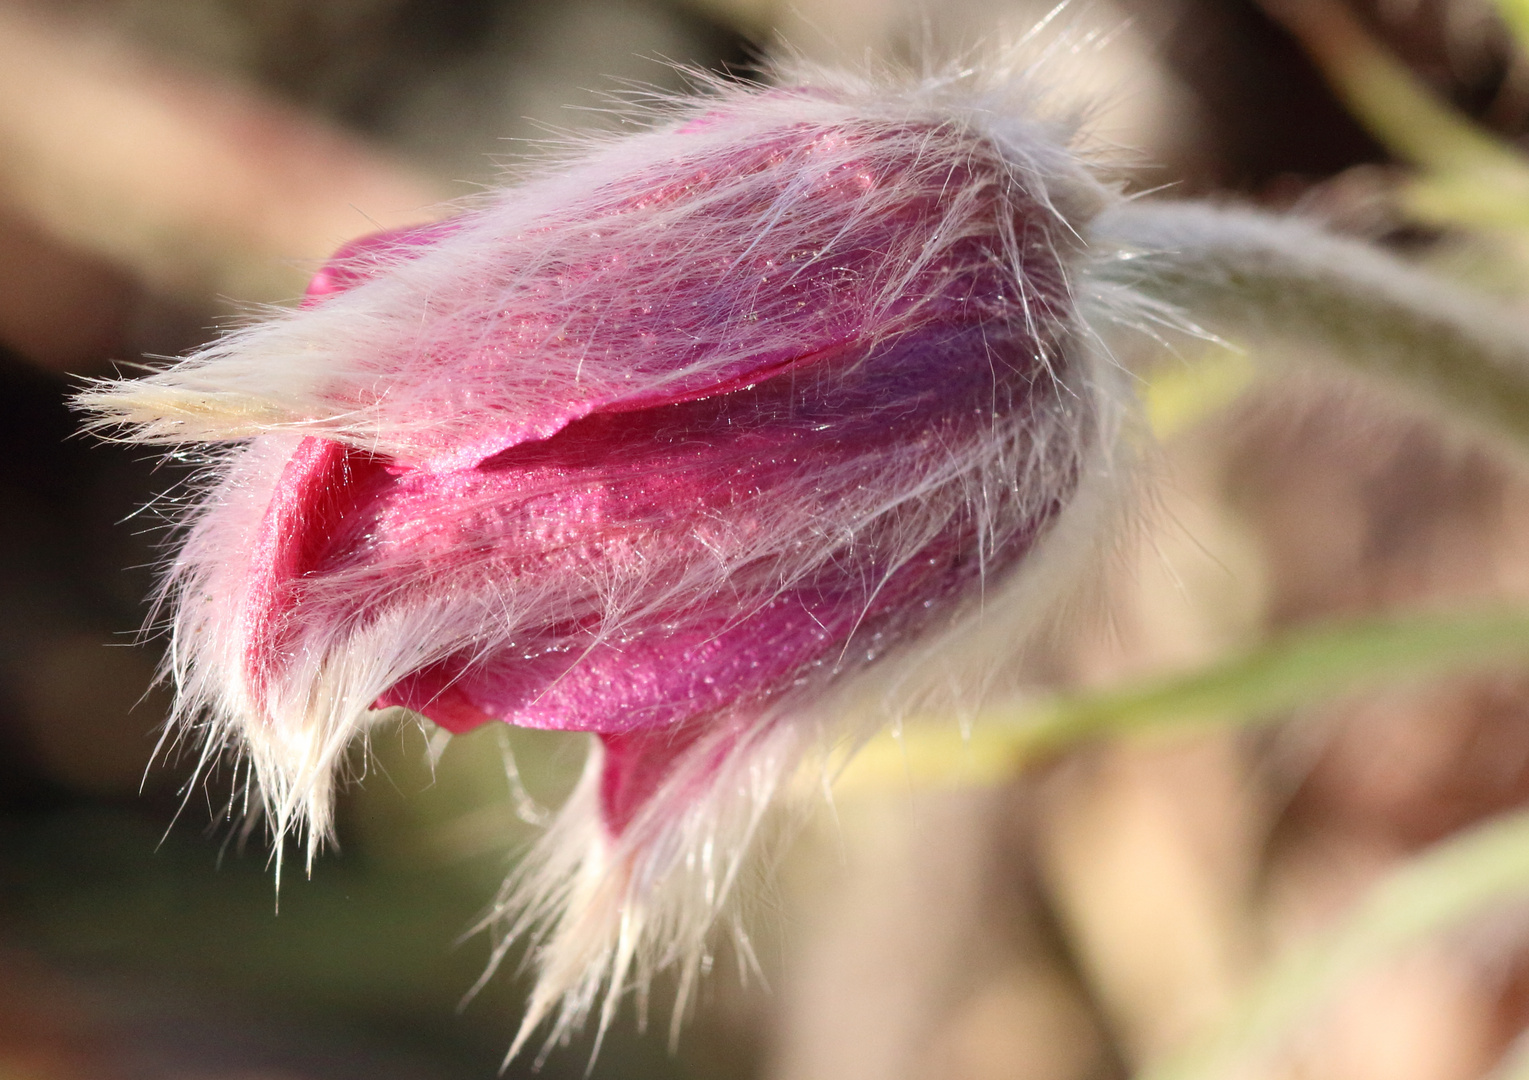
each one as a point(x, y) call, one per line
point(168, 165)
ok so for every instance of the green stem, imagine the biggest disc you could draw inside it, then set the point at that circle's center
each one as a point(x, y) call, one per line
point(1301, 668)
point(1259, 279)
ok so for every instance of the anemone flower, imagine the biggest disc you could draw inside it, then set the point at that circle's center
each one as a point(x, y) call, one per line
point(685, 441)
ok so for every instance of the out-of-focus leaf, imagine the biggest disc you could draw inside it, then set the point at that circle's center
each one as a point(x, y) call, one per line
point(1294, 670)
point(1516, 14)
point(197, 188)
point(1446, 887)
point(1470, 177)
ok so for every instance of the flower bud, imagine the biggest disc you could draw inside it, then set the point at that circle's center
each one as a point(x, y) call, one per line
point(660, 445)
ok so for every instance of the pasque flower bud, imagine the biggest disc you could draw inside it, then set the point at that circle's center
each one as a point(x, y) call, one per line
point(662, 444)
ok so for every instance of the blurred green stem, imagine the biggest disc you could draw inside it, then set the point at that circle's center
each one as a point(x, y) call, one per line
point(1448, 886)
point(1300, 668)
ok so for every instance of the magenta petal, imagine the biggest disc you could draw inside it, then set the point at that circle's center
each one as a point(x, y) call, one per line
point(548, 421)
point(322, 486)
point(368, 256)
point(435, 694)
point(620, 496)
point(722, 280)
point(637, 764)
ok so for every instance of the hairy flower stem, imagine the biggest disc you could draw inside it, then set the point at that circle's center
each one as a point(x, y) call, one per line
point(1257, 278)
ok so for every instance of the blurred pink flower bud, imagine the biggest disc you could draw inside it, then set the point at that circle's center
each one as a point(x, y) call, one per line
point(661, 445)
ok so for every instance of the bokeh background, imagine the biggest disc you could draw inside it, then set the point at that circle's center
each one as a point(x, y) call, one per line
point(168, 165)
